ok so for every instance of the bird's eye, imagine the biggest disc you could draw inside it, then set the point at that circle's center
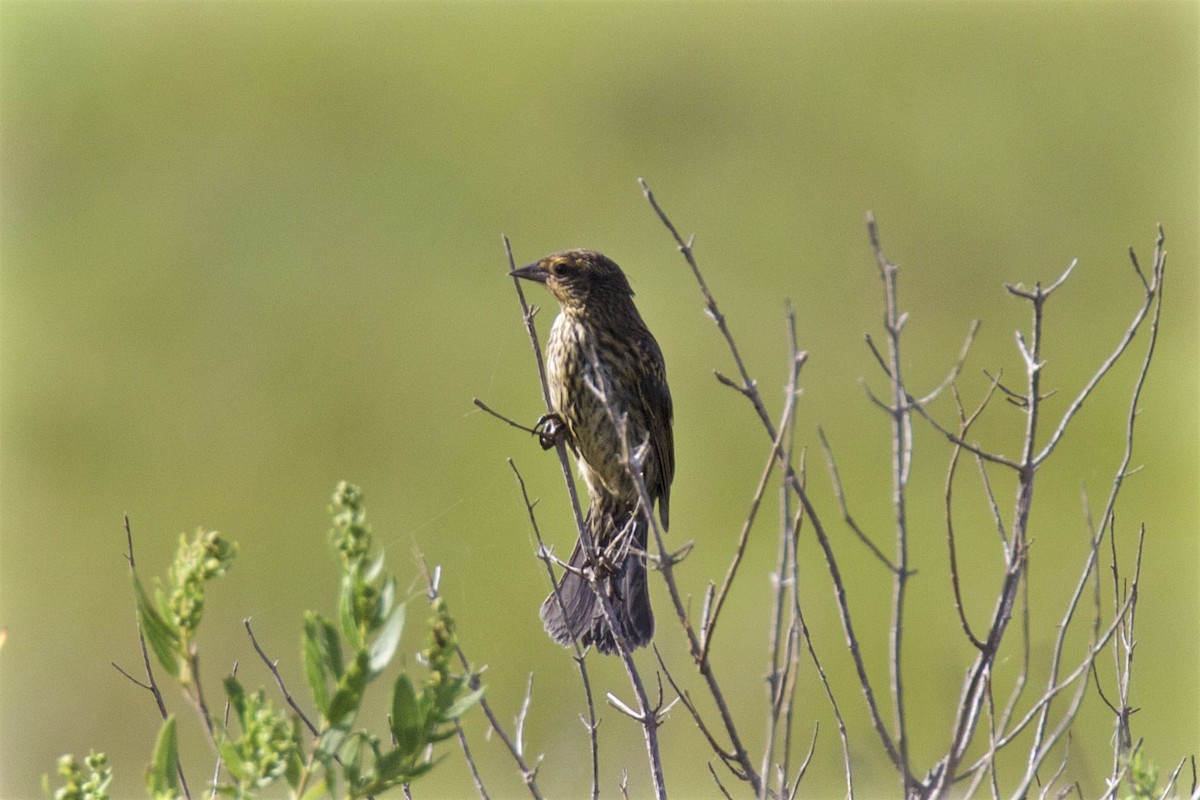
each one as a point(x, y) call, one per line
point(565, 269)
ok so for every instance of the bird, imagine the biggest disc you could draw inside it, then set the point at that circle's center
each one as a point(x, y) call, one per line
point(597, 344)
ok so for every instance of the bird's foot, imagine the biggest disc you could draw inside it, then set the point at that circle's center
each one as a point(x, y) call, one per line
point(550, 430)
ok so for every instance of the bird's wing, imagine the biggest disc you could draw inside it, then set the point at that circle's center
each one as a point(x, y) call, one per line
point(656, 399)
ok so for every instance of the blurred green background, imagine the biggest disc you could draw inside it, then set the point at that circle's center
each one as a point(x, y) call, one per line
point(251, 249)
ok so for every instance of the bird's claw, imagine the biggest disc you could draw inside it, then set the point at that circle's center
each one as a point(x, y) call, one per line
point(550, 430)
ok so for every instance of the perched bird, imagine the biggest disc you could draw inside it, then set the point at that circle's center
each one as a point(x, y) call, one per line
point(599, 341)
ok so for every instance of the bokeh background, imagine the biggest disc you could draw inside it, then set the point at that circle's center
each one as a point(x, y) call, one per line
point(252, 249)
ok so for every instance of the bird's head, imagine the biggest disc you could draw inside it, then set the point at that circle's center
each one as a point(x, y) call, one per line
point(579, 278)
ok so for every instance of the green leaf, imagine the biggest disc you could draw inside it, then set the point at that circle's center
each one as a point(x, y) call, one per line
point(322, 657)
point(321, 788)
point(390, 766)
point(384, 646)
point(420, 769)
point(160, 635)
point(162, 779)
point(373, 569)
point(295, 766)
point(408, 723)
point(346, 700)
point(352, 756)
point(387, 594)
point(347, 615)
point(465, 704)
point(232, 759)
point(236, 695)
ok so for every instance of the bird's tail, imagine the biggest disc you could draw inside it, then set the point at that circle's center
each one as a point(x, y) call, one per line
point(573, 612)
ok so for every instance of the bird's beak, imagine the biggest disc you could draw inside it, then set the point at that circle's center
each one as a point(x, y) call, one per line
point(531, 272)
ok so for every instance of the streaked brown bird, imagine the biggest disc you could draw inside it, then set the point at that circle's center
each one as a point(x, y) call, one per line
point(599, 341)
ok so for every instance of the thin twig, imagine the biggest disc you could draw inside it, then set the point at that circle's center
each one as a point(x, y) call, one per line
point(482, 406)
point(273, 665)
point(466, 748)
point(901, 465)
point(1151, 292)
point(151, 684)
point(580, 656)
point(710, 620)
point(752, 394)
point(840, 495)
point(780, 672)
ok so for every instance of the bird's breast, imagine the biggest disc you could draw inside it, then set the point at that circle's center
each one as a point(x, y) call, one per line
point(580, 360)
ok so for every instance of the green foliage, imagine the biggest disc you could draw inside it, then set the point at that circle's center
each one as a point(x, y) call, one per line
point(371, 625)
point(1141, 778)
point(162, 776)
point(77, 785)
point(169, 624)
point(266, 745)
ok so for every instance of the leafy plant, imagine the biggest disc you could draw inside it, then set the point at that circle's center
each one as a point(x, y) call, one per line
point(265, 744)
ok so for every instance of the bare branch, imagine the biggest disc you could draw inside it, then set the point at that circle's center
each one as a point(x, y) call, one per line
point(810, 510)
point(466, 748)
point(1152, 291)
point(273, 666)
point(955, 370)
point(590, 723)
point(482, 406)
point(706, 632)
point(840, 495)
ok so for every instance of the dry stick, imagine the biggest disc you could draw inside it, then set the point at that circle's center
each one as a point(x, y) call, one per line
point(799, 624)
point(645, 715)
point(840, 495)
point(789, 535)
point(812, 652)
point(901, 419)
point(964, 426)
point(993, 506)
point(749, 389)
point(717, 781)
point(580, 657)
point(151, 685)
point(1153, 290)
point(523, 713)
point(973, 694)
point(1052, 739)
point(777, 683)
point(1123, 742)
point(788, 701)
point(730, 759)
point(994, 783)
point(718, 601)
point(812, 749)
point(466, 748)
point(1062, 766)
point(1051, 693)
point(482, 406)
point(1166, 792)
point(1128, 642)
point(273, 666)
point(1152, 294)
